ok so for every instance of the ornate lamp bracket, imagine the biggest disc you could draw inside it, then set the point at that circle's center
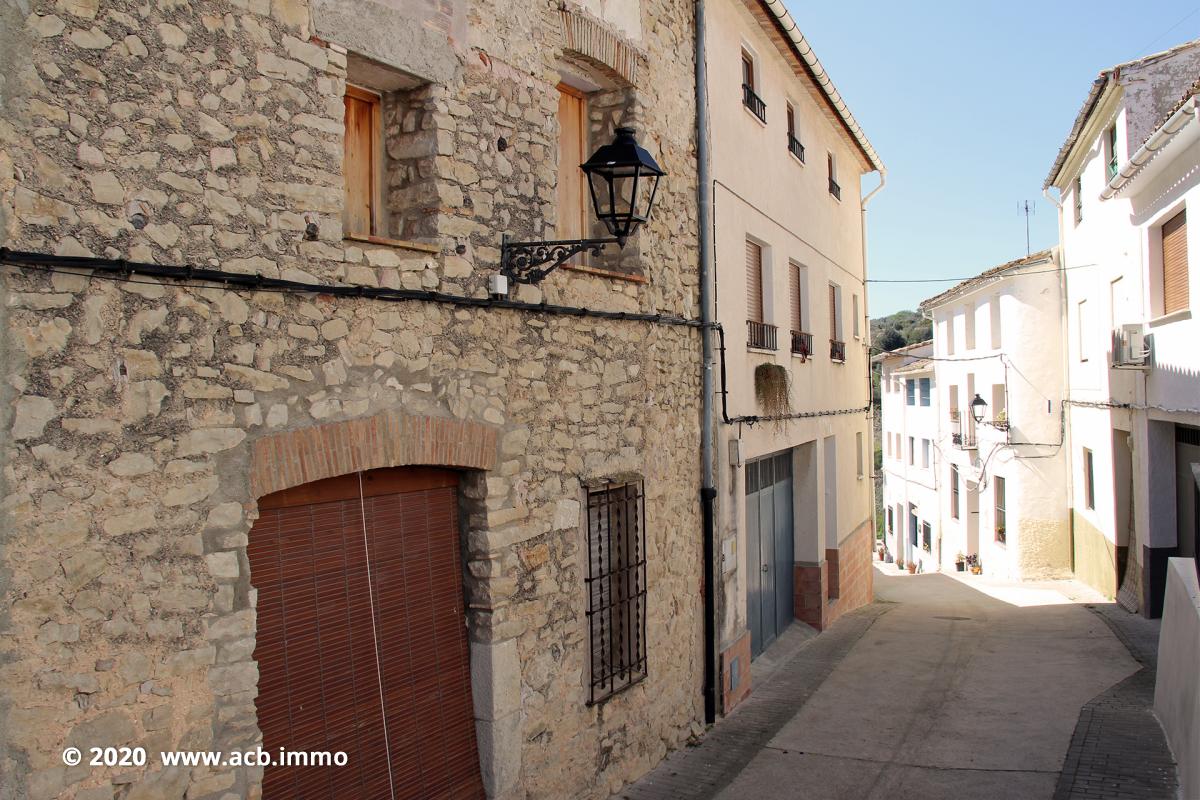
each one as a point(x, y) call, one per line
point(523, 262)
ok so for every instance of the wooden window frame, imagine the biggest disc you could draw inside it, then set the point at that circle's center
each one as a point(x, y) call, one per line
point(748, 71)
point(583, 199)
point(1000, 500)
point(955, 491)
point(1089, 479)
point(376, 196)
point(1175, 299)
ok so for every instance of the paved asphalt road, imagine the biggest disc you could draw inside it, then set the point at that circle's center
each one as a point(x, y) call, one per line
point(948, 687)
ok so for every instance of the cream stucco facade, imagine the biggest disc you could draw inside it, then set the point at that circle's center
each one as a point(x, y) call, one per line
point(777, 200)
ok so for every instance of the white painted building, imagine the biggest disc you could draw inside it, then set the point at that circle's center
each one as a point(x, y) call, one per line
point(911, 456)
point(993, 488)
point(1126, 175)
point(997, 337)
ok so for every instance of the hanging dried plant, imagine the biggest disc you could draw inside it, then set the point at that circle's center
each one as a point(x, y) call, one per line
point(772, 387)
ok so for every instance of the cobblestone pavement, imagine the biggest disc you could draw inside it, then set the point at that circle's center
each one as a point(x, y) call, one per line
point(951, 687)
point(1118, 749)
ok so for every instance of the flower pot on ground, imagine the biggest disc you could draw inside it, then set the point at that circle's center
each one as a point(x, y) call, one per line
point(912, 568)
point(976, 570)
point(961, 566)
point(899, 563)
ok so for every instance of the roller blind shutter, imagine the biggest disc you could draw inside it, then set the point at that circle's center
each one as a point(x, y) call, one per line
point(1175, 263)
point(361, 644)
point(797, 316)
point(754, 294)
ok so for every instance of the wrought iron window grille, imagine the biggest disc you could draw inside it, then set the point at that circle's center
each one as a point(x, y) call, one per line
point(616, 589)
point(795, 148)
point(837, 350)
point(835, 189)
point(802, 344)
point(753, 102)
point(761, 335)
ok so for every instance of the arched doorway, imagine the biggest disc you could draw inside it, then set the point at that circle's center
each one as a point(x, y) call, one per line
point(361, 642)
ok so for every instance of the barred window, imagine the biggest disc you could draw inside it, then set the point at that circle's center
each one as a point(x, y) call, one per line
point(616, 586)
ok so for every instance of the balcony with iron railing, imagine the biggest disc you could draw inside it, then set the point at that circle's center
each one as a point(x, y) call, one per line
point(802, 344)
point(795, 148)
point(837, 351)
point(761, 335)
point(753, 102)
point(835, 189)
point(964, 441)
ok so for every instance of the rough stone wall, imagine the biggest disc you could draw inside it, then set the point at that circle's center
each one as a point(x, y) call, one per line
point(131, 408)
point(1153, 89)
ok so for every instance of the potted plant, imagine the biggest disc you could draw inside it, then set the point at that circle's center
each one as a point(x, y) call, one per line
point(899, 562)
point(960, 562)
point(912, 568)
point(974, 565)
point(881, 551)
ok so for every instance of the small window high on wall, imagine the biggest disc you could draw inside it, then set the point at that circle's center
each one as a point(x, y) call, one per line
point(1175, 264)
point(572, 144)
point(363, 149)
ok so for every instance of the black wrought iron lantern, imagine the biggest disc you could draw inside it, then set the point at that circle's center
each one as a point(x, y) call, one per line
point(623, 179)
point(623, 182)
point(977, 407)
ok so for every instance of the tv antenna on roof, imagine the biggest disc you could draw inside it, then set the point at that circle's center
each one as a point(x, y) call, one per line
point(1027, 208)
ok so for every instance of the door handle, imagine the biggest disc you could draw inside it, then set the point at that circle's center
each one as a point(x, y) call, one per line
point(764, 567)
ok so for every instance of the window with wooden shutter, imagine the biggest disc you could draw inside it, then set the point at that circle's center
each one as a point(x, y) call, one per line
point(1175, 264)
point(834, 327)
point(572, 135)
point(748, 71)
point(754, 282)
point(362, 163)
point(797, 298)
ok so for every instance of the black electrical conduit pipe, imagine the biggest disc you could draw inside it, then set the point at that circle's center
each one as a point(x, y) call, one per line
point(119, 269)
point(128, 269)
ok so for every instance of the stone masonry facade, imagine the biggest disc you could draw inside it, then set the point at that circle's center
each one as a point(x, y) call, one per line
point(141, 419)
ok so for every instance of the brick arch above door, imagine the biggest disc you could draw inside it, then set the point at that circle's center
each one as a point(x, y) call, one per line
point(391, 439)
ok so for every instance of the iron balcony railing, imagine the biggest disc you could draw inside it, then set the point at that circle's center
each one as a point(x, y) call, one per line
point(834, 189)
point(753, 102)
point(801, 344)
point(760, 335)
point(964, 441)
point(795, 148)
point(837, 350)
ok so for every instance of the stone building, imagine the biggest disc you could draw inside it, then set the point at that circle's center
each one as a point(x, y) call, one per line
point(222, 503)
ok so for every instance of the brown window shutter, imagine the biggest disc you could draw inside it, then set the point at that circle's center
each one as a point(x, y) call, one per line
point(1175, 263)
point(361, 166)
point(361, 641)
point(797, 319)
point(748, 70)
point(571, 132)
point(833, 312)
point(754, 294)
point(791, 121)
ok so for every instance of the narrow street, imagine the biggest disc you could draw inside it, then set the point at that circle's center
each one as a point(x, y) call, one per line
point(946, 687)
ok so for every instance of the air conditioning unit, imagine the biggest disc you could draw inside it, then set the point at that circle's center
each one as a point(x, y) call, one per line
point(1132, 346)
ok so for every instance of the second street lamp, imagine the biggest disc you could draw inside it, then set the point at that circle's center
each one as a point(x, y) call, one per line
point(623, 181)
point(977, 407)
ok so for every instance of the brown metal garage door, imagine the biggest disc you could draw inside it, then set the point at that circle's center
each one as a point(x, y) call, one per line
point(361, 643)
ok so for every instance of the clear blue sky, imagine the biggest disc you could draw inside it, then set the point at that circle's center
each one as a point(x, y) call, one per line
point(967, 104)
